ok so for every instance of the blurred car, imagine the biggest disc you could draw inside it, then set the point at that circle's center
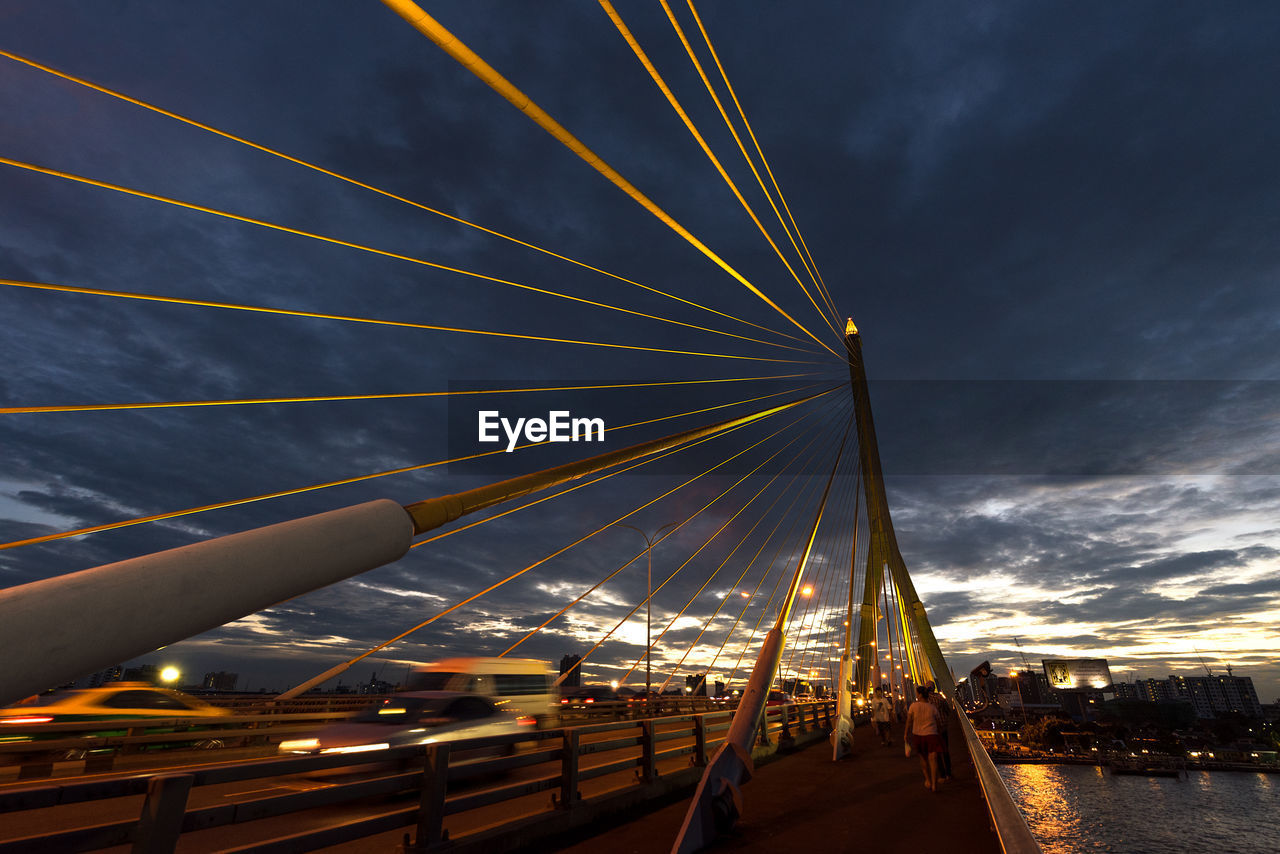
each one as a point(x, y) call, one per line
point(115, 701)
point(417, 717)
point(779, 698)
point(131, 700)
point(584, 698)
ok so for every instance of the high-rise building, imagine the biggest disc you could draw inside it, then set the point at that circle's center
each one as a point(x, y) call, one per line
point(221, 681)
point(1211, 695)
point(574, 679)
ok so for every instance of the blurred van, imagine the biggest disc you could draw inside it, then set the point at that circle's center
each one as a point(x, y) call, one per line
point(521, 686)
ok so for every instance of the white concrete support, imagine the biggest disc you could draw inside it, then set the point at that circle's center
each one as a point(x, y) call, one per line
point(717, 803)
point(59, 629)
point(842, 734)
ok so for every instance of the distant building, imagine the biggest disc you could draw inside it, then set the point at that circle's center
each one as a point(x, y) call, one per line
point(102, 677)
point(1208, 696)
point(221, 681)
point(574, 679)
point(142, 673)
point(375, 686)
point(1126, 691)
point(696, 684)
point(1156, 690)
point(1211, 696)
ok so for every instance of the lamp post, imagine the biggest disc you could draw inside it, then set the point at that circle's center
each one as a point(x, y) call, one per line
point(648, 620)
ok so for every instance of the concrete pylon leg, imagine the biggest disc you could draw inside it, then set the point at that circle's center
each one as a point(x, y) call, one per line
point(842, 734)
point(842, 739)
point(718, 801)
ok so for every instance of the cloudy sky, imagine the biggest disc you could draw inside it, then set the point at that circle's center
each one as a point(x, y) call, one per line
point(1054, 225)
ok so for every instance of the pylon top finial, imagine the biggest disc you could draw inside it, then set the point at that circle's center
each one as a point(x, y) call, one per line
point(850, 328)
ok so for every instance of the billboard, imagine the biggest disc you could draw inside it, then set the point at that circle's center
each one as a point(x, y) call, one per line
point(1077, 674)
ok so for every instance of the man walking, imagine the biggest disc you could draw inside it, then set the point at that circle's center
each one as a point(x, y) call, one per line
point(881, 713)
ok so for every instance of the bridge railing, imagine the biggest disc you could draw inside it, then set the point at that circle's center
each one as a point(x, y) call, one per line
point(430, 773)
point(99, 743)
point(1007, 820)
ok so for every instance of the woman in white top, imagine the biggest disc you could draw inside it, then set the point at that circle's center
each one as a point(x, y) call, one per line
point(924, 725)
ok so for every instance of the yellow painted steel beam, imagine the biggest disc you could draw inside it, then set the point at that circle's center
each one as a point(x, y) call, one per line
point(450, 44)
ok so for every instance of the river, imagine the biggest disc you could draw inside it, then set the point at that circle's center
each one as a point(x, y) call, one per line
point(1079, 808)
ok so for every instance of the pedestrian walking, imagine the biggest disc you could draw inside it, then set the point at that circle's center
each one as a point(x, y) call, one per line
point(881, 714)
point(940, 703)
point(921, 732)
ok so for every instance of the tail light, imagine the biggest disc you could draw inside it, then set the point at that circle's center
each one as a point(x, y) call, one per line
point(28, 719)
point(527, 720)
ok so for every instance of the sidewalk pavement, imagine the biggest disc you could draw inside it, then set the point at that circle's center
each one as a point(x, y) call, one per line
point(875, 801)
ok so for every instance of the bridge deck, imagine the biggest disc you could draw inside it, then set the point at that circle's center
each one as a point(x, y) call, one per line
point(874, 801)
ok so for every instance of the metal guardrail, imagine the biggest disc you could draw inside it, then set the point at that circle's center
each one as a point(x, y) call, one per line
point(98, 743)
point(425, 770)
point(1007, 820)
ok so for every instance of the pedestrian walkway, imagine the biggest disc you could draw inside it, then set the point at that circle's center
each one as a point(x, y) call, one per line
point(875, 801)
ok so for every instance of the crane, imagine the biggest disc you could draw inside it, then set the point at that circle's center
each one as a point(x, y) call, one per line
point(1025, 664)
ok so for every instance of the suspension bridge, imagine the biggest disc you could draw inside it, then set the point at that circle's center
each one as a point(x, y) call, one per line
point(761, 493)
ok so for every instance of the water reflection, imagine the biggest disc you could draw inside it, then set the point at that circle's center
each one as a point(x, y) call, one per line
point(1077, 808)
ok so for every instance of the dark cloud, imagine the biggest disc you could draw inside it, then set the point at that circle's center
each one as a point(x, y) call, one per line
point(1052, 224)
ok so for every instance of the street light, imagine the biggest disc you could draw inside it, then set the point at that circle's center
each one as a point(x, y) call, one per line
point(648, 620)
point(169, 675)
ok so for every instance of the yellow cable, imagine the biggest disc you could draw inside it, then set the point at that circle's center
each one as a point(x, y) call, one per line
point(706, 82)
point(93, 182)
point(511, 510)
point(139, 520)
point(745, 569)
point(763, 160)
point(148, 106)
point(630, 613)
point(98, 407)
point(654, 642)
point(379, 322)
point(451, 45)
point(513, 576)
point(611, 575)
point(706, 149)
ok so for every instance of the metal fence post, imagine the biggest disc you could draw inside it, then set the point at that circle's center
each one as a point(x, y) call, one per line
point(569, 794)
point(648, 754)
point(435, 786)
point(785, 739)
point(699, 741)
point(160, 823)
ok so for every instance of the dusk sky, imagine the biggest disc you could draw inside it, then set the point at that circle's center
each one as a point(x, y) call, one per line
point(1055, 225)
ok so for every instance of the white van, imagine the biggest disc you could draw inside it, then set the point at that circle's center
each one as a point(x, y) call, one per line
point(521, 686)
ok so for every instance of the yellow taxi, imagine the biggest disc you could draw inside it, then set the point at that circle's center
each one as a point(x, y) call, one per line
point(114, 701)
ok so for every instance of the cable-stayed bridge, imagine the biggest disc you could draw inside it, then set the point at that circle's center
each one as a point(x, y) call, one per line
point(759, 487)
